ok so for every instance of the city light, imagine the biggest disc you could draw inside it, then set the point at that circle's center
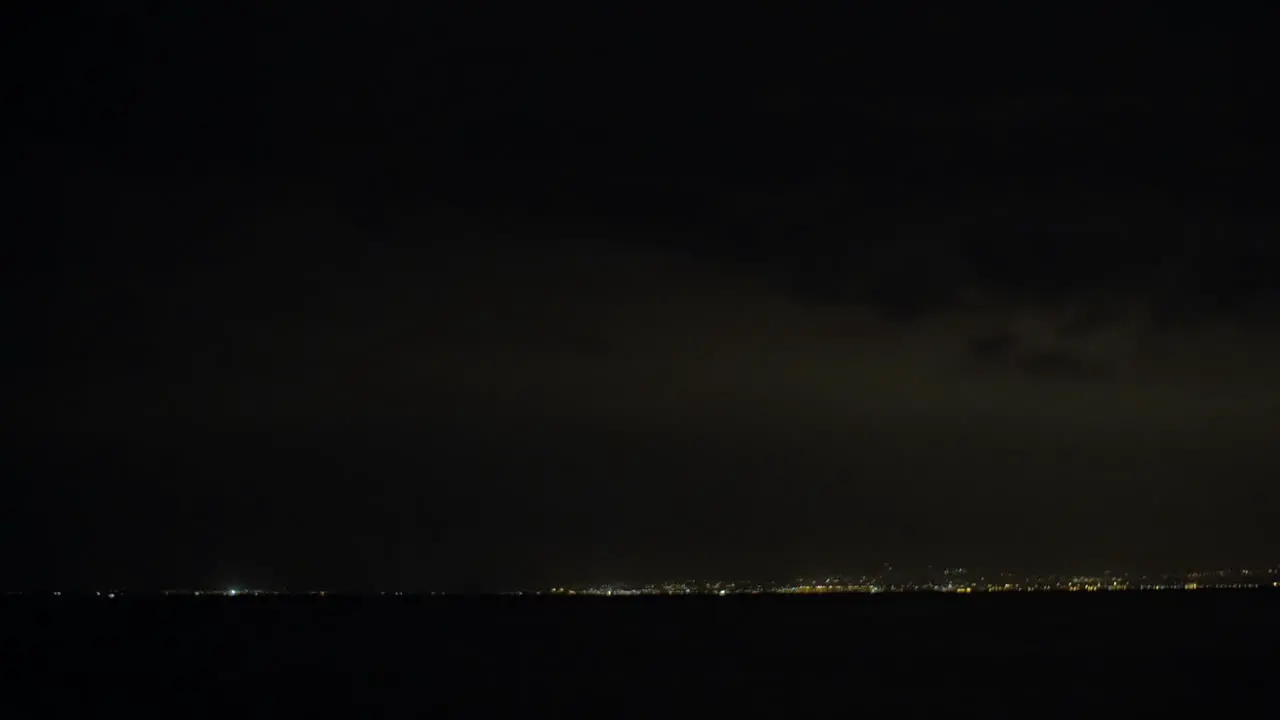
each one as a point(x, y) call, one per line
point(931, 579)
point(949, 580)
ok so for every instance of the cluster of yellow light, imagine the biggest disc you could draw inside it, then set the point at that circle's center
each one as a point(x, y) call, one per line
point(807, 589)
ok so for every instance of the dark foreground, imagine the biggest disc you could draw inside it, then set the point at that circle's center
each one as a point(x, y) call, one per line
point(992, 655)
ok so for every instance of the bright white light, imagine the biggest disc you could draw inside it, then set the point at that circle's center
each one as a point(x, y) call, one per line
point(232, 592)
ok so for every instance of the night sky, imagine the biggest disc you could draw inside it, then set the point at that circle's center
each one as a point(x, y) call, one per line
point(407, 299)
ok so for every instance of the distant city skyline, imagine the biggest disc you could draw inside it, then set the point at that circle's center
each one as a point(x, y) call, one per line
point(887, 580)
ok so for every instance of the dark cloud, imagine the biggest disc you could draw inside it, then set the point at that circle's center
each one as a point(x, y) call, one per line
point(464, 399)
point(1061, 363)
point(536, 315)
point(994, 346)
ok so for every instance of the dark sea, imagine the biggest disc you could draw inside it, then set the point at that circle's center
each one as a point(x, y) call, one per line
point(997, 655)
